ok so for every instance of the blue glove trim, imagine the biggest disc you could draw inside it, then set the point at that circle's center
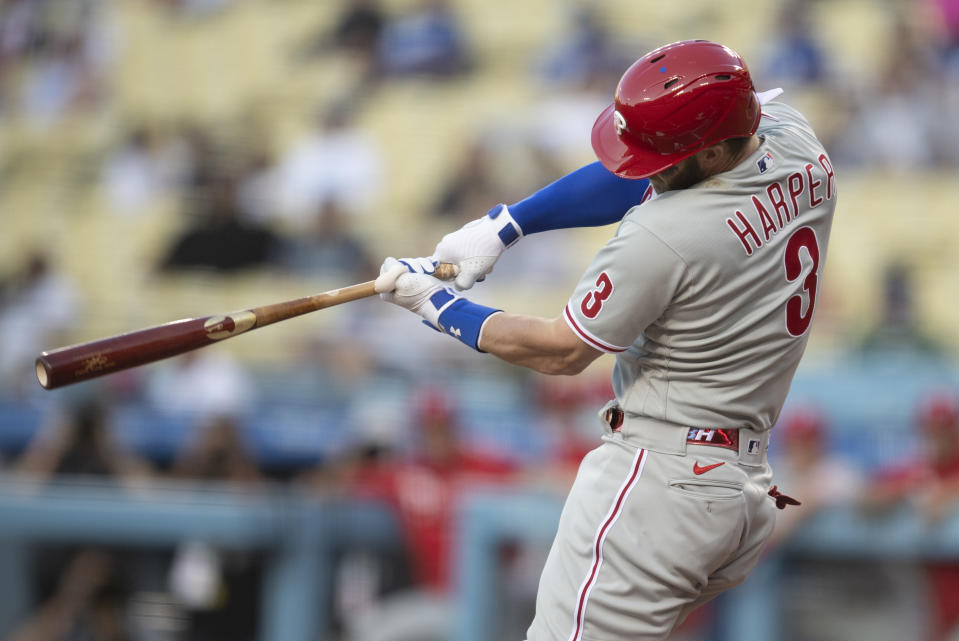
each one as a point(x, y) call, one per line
point(508, 234)
point(413, 270)
point(588, 197)
point(464, 319)
point(441, 297)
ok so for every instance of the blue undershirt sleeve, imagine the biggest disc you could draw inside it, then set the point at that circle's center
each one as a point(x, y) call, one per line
point(588, 197)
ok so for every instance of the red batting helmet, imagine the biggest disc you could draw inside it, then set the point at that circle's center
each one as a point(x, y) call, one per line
point(673, 102)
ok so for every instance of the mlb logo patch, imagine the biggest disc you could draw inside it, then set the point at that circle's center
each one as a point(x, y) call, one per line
point(765, 163)
point(753, 446)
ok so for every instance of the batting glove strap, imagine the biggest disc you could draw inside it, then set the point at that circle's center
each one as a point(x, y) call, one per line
point(506, 227)
point(459, 317)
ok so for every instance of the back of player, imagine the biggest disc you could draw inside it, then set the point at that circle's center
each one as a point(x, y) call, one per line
point(720, 282)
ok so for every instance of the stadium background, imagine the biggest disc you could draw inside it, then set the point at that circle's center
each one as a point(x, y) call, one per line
point(262, 488)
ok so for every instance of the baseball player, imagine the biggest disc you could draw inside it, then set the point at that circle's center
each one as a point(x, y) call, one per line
point(705, 294)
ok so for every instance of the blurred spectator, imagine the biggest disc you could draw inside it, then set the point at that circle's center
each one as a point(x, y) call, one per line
point(946, 14)
point(367, 467)
point(931, 483)
point(201, 384)
point(220, 239)
point(87, 598)
point(932, 479)
point(427, 41)
point(902, 99)
point(217, 453)
point(942, 27)
point(560, 127)
point(133, 176)
point(38, 306)
point(69, 52)
point(89, 604)
point(585, 51)
point(192, 158)
point(469, 192)
point(355, 31)
point(492, 167)
point(327, 250)
point(425, 491)
point(81, 442)
point(795, 56)
point(218, 587)
point(809, 469)
point(257, 186)
point(567, 407)
point(336, 162)
point(899, 329)
point(18, 28)
point(16, 34)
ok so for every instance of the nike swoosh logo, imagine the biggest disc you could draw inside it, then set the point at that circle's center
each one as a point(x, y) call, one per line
point(702, 470)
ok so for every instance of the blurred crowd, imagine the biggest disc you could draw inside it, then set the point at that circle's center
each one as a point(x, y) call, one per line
point(420, 467)
point(244, 204)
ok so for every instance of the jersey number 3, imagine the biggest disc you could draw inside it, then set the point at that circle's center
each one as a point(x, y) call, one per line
point(593, 301)
point(796, 322)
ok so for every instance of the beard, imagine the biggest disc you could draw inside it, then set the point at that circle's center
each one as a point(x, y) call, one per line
point(681, 176)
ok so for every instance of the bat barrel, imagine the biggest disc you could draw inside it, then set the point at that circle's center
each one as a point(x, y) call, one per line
point(76, 363)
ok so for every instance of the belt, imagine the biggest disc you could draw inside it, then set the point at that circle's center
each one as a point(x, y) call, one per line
point(724, 437)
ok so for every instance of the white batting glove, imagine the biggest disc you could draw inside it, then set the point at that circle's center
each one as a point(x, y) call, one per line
point(391, 269)
point(476, 246)
point(406, 283)
point(409, 283)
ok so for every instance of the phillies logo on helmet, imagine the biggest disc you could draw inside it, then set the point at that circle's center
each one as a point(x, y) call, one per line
point(619, 122)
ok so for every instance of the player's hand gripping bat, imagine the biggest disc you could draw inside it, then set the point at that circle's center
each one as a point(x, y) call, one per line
point(67, 365)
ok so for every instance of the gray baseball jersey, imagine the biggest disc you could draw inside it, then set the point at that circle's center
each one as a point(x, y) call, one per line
point(706, 294)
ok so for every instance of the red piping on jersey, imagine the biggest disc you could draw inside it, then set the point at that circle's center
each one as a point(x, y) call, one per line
point(587, 338)
point(614, 513)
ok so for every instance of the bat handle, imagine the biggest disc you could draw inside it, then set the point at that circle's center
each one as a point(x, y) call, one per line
point(447, 271)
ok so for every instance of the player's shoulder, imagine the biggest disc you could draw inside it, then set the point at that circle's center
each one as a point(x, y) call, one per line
point(778, 116)
point(662, 217)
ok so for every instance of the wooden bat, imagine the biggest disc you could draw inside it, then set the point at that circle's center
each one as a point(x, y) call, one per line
point(68, 365)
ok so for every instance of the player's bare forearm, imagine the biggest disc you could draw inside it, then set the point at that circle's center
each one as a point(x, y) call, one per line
point(543, 345)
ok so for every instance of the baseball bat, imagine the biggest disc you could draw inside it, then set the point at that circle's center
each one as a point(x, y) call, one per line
point(76, 363)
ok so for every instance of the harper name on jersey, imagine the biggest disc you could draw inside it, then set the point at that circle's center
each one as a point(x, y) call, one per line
point(799, 186)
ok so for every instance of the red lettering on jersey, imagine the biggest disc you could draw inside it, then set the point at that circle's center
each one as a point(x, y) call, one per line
point(593, 301)
point(830, 174)
point(805, 237)
point(795, 185)
point(742, 233)
point(778, 199)
point(647, 194)
point(813, 201)
point(768, 225)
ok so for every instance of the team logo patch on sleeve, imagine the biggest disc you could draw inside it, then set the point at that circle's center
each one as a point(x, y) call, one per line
point(765, 163)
